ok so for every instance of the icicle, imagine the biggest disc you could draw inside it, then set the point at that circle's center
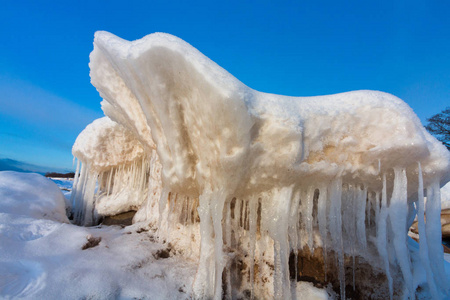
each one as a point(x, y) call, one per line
point(275, 218)
point(379, 166)
point(369, 209)
point(434, 235)
point(262, 245)
point(350, 199)
point(353, 234)
point(217, 216)
point(307, 216)
point(75, 182)
point(353, 271)
point(89, 199)
point(398, 210)
point(78, 194)
point(190, 213)
point(293, 228)
point(423, 245)
point(237, 216)
point(382, 236)
point(228, 243)
point(253, 217)
point(204, 283)
point(163, 213)
point(377, 207)
point(322, 215)
point(335, 195)
point(360, 217)
point(99, 180)
point(186, 211)
point(246, 215)
point(108, 190)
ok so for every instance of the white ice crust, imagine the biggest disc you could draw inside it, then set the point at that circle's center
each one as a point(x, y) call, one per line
point(262, 172)
point(105, 143)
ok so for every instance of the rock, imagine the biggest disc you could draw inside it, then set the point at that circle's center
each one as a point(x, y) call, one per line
point(369, 281)
point(446, 231)
point(445, 222)
point(123, 219)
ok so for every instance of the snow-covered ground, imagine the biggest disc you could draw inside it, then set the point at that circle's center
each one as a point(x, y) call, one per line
point(42, 256)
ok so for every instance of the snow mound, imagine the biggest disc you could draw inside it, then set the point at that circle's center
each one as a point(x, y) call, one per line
point(258, 175)
point(44, 259)
point(32, 195)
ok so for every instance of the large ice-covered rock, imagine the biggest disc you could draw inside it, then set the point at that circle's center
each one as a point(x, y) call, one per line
point(265, 174)
point(31, 195)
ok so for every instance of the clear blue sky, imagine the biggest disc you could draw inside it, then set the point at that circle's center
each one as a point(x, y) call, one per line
point(297, 48)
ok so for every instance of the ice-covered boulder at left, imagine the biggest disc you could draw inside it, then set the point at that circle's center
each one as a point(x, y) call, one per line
point(31, 195)
point(260, 176)
point(115, 173)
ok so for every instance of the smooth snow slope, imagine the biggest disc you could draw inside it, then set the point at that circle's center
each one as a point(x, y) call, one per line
point(32, 195)
point(211, 141)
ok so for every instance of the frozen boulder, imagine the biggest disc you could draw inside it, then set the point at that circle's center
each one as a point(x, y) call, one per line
point(31, 195)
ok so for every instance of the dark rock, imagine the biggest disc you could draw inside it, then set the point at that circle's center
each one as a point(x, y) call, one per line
point(91, 242)
point(162, 253)
point(123, 219)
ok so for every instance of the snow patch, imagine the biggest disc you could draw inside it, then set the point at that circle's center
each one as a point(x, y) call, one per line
point(32, 195)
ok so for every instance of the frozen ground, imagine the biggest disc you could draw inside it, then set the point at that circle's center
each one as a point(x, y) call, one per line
point(42, 256)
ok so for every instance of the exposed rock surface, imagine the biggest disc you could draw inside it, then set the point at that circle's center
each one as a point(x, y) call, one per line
point(445, 222)
point(363, 279)
point(123, 219)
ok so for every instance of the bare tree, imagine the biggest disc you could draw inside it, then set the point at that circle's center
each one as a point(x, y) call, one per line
point(439, 126)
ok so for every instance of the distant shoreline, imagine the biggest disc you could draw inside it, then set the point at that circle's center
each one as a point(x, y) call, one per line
point(60, 175)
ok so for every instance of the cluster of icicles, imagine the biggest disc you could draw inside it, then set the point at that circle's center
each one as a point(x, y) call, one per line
point(128, 180)
point(252, 238)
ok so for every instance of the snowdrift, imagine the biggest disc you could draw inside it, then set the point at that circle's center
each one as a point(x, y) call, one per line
point(258, 176)
point(31, 195)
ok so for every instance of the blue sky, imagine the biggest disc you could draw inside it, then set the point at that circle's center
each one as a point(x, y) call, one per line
point(297, 48)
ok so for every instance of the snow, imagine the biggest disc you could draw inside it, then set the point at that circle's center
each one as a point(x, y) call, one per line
point(186, 139)
point(48, 263)
point(31, 195)
point(307, 291)
point(42, 258)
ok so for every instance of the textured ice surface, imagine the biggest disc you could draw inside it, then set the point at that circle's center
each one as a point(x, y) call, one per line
point(214, 151)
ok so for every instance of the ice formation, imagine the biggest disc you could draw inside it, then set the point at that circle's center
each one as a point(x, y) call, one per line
point(260, 176)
